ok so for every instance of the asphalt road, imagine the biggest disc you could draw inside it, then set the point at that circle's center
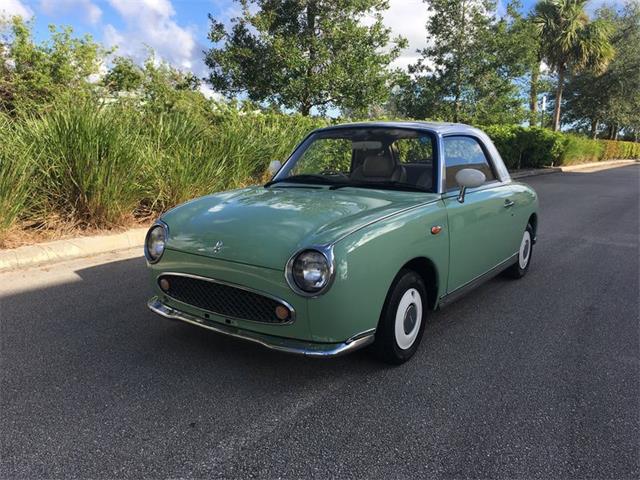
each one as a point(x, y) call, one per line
point(537, 378)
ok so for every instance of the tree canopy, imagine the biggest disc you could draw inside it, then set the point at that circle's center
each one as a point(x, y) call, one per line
point(337, 56)
point(570, 42)
point(611, 99)
point(33, 74)
point(469, 70)
point(301, 54)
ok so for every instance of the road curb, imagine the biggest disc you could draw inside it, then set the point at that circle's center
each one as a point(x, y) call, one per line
point(60, 250)
point(571, 168)
point(534, 172)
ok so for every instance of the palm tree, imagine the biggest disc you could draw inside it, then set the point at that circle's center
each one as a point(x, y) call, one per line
point(570, 42)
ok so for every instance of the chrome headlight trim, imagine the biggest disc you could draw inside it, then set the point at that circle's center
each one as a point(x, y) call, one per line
point(327, 252)
point(165, 228)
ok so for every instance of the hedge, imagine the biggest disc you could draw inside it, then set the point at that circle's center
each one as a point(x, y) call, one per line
point(523, 147)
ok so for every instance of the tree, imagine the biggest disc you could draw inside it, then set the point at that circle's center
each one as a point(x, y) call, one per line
point(32, 75)
point(612, 98)
point(468, 71)
point(301, 54)
point(123, 76)
point(570, 42)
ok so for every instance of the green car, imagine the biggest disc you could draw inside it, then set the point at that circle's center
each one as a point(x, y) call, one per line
point(362, 231)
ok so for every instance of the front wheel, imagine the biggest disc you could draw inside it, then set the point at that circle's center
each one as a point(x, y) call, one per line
point(521, 267)
point(403, 319)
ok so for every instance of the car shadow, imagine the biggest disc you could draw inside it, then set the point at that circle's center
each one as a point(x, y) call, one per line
point(105, 312)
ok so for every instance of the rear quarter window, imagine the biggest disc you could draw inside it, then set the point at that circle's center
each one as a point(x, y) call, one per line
point(464, 152)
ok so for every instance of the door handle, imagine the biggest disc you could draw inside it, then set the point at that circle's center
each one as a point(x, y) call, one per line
point(509, 203)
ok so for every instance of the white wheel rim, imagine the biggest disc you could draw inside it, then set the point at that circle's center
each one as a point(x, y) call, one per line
point(525, 250)
point(408, 318)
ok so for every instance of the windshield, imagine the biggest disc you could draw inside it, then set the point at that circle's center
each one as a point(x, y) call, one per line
point(382, 157)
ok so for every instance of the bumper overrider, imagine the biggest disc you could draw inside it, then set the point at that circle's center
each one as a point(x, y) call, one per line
point(287, 345)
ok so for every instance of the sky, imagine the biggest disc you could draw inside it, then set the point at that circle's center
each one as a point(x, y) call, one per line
point(177, 29)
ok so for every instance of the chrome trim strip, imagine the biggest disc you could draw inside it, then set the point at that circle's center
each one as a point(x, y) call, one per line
point(234, 285)
point(327, 252)
point(287, 345)
point(477, 281)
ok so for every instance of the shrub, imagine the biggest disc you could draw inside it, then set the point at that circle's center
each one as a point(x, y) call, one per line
point(577, 149)
point(522, 147)
point(623, 150)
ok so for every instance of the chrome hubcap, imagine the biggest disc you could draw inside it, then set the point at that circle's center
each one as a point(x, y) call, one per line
point(410, 318)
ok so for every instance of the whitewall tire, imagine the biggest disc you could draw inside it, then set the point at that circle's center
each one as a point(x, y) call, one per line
point(520, 268)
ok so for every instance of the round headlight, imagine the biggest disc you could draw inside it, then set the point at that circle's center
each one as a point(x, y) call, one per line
point(155, 243)
point(311, 271)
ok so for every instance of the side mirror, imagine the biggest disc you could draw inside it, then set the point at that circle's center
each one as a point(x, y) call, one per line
point(274, 166)
point(469, 178)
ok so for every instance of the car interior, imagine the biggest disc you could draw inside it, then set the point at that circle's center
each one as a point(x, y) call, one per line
point(384, 165)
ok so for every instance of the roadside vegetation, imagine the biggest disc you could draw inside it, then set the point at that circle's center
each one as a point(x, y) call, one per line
point(91, 140)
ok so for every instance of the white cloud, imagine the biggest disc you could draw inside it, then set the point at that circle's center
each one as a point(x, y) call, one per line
point(12, 8)
point(209, 92)
point(88, 10)
point(150, 23)
point(408, 18)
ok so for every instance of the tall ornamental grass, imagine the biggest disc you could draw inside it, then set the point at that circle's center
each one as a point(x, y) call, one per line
point(18, 183)
point(187, 157)
point(94, 164)
point(90, 159)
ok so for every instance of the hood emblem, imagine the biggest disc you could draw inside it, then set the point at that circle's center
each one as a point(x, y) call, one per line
point(217, 247)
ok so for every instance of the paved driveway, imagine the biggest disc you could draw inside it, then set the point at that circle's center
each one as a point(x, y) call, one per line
point(532, 379)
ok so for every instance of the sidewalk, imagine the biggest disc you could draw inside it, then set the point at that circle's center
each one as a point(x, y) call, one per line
point(594, 166)
point(57, 251)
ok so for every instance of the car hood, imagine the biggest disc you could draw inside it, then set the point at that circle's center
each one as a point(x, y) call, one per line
point(265, 226)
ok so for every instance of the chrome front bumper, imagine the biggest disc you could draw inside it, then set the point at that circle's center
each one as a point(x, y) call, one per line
point(288, 345)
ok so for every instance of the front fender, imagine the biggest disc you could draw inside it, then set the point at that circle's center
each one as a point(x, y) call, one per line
point(367, 261)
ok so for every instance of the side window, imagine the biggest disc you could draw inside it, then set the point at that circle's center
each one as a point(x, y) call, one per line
point(415, 154)
point(415, 150)
point(464, 152)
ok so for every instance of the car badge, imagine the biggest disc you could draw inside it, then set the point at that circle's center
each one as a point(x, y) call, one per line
point(218, 246)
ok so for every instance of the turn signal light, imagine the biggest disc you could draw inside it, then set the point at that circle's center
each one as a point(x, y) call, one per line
point(282, 312)
point(164, 284)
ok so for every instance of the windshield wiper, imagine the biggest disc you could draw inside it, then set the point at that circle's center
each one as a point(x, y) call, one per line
point(390, 185)
point(305, 178)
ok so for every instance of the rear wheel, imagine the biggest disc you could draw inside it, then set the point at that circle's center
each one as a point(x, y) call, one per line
point(521, 267)
point(402, 321)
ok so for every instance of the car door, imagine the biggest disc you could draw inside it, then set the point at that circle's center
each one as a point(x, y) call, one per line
point(479, 227)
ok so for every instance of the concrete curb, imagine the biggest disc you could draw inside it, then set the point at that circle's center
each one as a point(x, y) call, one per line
point(59, 250)
point(534, 172)
point(571, 168)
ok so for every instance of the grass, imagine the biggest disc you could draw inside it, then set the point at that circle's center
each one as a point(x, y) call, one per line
point(86, 165)
point(18, 161)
